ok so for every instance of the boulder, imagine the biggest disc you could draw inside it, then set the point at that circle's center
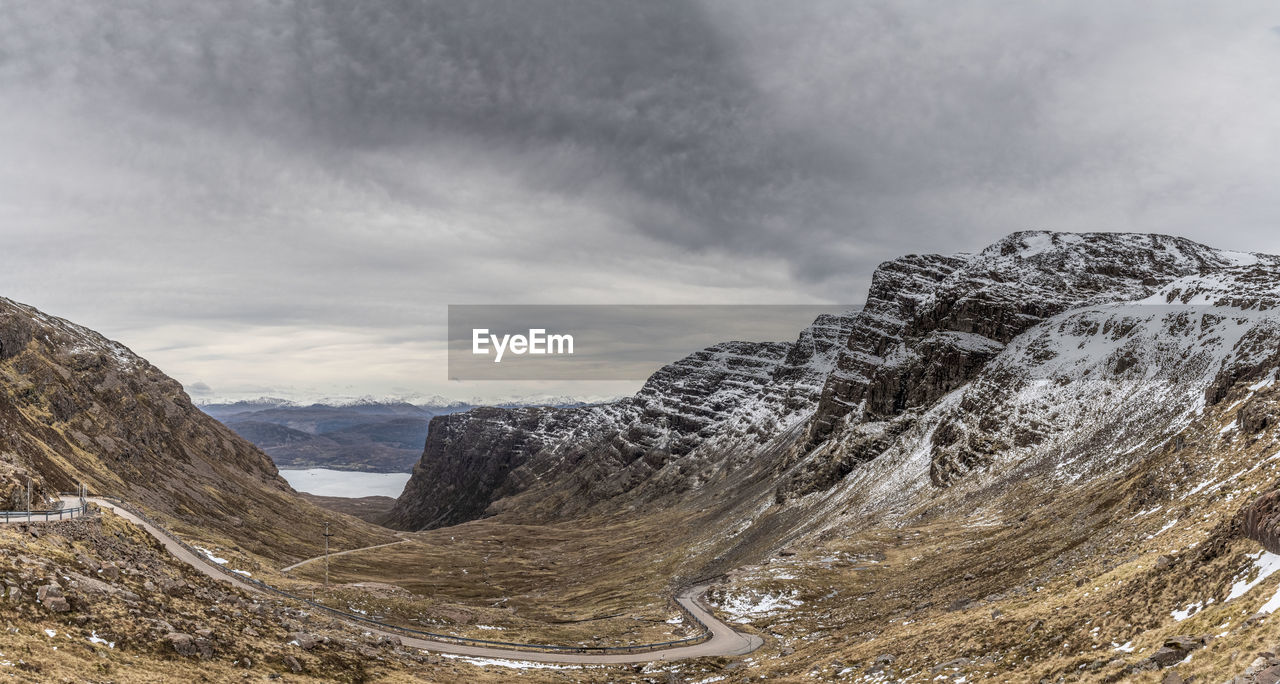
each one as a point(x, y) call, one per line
point(303, 640)
point(1175, 650)
point(189, 646)
point(1270, 675)
point(292, 663)
point(1167, 656)
point(87, 562)
point(175, 588)
point(50, 596)
point(184, 644)
point(1254, 417)
point(881, 663)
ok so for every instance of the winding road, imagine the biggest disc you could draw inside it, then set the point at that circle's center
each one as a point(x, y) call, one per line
point(724, 640)
point(335, 554)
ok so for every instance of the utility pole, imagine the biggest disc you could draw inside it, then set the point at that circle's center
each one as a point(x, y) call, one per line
point(28, 499)
point(327, 534)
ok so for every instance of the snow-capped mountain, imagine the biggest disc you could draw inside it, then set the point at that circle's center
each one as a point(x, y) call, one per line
point(1052, 353)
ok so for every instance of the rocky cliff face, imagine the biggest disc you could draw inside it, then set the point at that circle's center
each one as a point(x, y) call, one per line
point(927, 331)
point(76, 408)
point(957, 365)
point(1261, 521)
point(741, 390)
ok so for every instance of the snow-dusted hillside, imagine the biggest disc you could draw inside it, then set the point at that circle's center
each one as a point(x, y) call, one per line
point(1046, 354)
point(1080, 395)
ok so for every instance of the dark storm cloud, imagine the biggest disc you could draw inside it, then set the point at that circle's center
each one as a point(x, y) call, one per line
point(237, 183)
point(647, 94)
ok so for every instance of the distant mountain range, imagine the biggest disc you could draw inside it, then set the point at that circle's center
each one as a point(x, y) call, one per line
point(362, 434)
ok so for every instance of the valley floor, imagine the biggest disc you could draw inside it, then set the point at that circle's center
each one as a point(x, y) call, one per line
point(1129, 577)
point(1124, 581)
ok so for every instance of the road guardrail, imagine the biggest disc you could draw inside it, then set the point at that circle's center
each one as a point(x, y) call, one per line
point(43, 516)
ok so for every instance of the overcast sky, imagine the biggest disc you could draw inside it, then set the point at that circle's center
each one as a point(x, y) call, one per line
point(281, 197)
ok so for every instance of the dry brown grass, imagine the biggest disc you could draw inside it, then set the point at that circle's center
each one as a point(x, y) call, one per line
point(1045, 598)
point(29, 654)
point(563, 584)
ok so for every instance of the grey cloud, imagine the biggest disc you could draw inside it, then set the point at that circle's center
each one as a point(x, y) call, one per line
point(199, 389)
point(646, 93)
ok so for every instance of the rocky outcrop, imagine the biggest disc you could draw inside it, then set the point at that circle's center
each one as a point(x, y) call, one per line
point(1261, 521)
point(1256, 416)
point(16, 482)
point(15, 334)
point(1258, 358)
point(468, 457)
point(189, 646)
point(935, 365)
point(1175, 650)
point(897, 289)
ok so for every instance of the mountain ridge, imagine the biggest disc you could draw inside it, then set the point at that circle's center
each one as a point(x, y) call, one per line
point(931, 325)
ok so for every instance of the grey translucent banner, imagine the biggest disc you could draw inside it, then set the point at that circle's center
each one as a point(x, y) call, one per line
point(607, 342)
